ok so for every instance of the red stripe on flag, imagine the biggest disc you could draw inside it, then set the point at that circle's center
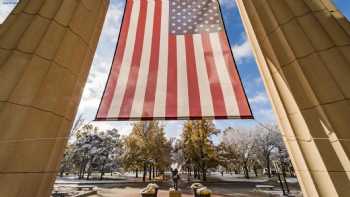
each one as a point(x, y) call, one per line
point(215, 87)
point(193, 89)
point(171, 99)
point(117, 61)
point(234, 77)
point(148, 106)
point(128, 99)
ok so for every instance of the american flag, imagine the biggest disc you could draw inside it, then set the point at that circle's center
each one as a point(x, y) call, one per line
point(173, 61)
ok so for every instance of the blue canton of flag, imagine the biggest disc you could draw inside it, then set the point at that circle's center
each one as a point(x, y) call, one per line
point(194, 16)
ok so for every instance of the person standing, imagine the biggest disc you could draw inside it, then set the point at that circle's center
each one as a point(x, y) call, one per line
point(175, 177)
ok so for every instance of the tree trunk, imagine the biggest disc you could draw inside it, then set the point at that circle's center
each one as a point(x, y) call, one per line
point(89, 173)
point(137, 173)
point(144, 172)
point(79, 172)
point(102, 174)
point(153, 169)
point(102, 170)
point(204, 172)
point(255, 171)
point(150, 172)
point(188, 174)
point(61, 173)
point(85, 164)
point(268, 165)
point(83, 171)
point(246, 171)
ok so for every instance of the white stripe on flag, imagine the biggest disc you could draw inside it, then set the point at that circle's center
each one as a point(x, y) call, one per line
point(224, 77)
point(182, 84)
point(126, 63)
point(203, 80)
point(161, 89)
point(137, 106)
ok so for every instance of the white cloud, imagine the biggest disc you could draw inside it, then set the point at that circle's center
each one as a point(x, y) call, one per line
point(228, 3)
point(100, 69)
point(259, 98)
point(258, 81)
point(5, 11)
point(124, 128)
point(102, 62)
point(265, 115)
point(113, 19)
point(174, 129)
point(243, 51)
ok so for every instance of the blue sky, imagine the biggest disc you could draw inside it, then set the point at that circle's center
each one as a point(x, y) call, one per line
point(246, 64)
point(344, 6)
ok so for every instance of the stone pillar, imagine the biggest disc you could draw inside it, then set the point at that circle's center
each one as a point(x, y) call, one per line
point(46, 49)
point(302, 48)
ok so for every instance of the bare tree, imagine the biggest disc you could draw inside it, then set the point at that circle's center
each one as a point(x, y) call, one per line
point(78, 124)
point(267, 141)
point(242, 142)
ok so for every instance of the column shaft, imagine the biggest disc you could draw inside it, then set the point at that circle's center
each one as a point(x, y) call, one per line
point(46, 49)
point(302, 49)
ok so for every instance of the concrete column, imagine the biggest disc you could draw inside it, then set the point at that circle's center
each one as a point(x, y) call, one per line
point(46, 49)
point(303, 51)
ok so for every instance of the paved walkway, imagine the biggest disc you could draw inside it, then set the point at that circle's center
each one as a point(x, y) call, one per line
point(223, 186)
point(135, 192)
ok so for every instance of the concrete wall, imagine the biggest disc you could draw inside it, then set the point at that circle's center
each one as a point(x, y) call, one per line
point(46, 49)
point(303, 51)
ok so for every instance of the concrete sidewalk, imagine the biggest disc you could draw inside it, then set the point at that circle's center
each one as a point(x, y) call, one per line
point(134, 192)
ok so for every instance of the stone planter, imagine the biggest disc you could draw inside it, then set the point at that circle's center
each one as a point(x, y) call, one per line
point(150, 195)
point(200, 195)
point(202, 192)
point(174, 194)
point(195, 192)
point(150, 191)
point(195, 187)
